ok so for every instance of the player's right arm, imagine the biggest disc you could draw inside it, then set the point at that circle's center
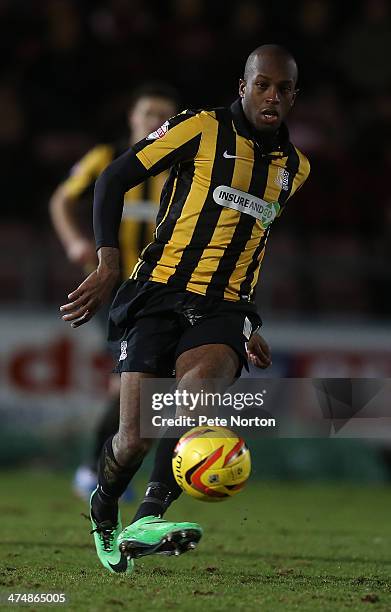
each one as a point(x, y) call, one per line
point(66, 199)
point(176, 141)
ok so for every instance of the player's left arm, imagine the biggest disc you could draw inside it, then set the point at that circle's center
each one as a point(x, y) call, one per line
point(258, 351)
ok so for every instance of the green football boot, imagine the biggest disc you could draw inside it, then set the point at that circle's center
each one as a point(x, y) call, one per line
point(106, 543)
point(151, 535)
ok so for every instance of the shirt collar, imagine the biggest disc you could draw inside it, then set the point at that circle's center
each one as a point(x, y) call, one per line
point(279, 144)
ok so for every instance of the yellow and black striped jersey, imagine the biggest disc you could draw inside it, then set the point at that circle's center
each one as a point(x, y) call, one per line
point(224, 190)
point(138, 224)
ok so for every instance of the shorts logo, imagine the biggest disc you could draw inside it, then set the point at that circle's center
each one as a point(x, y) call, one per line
point(124, 350)
point(159, 132)
point(246, 203)
point(282, 179)
point(247, 328)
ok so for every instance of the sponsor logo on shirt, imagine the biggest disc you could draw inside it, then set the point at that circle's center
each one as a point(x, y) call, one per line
point(246, 203)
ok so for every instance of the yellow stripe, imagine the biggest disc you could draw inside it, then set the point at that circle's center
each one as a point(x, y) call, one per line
point(239, 273)
point(243, 178)
point(273, 187)
point(243, 165)
point(272, 193)
point(157, 183)
point(192, 207)
point(168, 207)
point(257, 271)
point(302, 173)
point(174, 138)
point(228, 220)
point(136, 268)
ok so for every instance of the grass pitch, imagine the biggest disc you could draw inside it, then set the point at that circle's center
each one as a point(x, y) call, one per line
point(276, 547)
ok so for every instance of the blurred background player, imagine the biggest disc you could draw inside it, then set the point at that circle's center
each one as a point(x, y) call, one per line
point(150, 106)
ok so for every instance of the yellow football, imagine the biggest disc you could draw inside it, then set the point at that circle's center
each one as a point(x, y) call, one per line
point(211, 463)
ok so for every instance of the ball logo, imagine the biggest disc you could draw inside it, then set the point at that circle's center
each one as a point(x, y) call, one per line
point(246, 203)
point(178, 466)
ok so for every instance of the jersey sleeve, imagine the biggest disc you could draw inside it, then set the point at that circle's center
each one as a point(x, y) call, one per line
point(85, 172)
point(177, 140)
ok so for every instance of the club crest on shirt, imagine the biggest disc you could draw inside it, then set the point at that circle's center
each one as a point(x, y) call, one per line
point(282, 179)
point(159, 132)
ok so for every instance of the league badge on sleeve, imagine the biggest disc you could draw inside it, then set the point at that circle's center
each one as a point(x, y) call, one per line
point(159, 132)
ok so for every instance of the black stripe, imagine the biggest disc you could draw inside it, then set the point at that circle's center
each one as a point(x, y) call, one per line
point(185, 173)
point(245, 287)
point(243, 230)
point(172, 122)
point(228, 261)
point(292, 166)
point(166, 194)
point(186, 151)
point(222, 173)
point(143, 225)
point(155, 250)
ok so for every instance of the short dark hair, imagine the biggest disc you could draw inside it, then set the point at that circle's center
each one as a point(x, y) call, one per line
point(278, 50)
point(154, 89)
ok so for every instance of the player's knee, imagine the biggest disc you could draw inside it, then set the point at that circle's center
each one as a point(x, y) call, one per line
point(200, 375)
point(215, 364)
point(192, 379)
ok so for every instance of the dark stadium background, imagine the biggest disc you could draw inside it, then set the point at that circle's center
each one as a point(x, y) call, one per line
point(67, 71)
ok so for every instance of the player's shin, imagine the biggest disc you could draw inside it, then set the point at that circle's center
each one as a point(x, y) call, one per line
point(113, 480)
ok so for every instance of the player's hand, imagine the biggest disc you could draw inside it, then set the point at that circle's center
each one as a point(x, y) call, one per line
point(94, 291)
point(81, 251)
point(258, 352)
point(86, 300)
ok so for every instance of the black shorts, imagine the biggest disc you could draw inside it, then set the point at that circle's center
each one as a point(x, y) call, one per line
point(151, 324)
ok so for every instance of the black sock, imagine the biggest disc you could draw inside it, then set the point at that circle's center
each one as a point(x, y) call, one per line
point(162, 489)
point(112, 482)
point(107, 427)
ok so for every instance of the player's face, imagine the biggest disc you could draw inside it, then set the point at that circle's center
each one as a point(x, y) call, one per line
point(269, 92)
point(148, 114)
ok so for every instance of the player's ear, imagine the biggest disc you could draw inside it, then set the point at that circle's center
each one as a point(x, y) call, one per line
point(242, 87)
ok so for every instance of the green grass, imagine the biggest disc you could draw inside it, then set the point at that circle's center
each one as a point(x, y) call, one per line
point(274, 547)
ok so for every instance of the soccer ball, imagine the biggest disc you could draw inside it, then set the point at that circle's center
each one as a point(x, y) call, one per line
point(211, 463)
